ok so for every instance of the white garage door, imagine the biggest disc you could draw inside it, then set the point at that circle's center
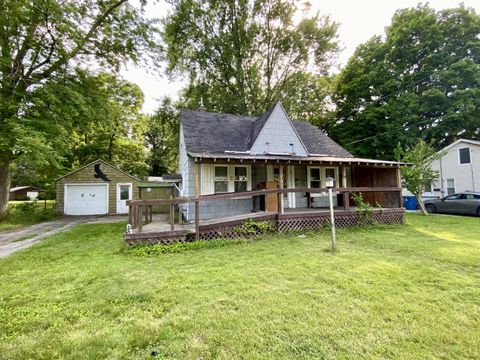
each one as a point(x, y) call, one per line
point(86, 199)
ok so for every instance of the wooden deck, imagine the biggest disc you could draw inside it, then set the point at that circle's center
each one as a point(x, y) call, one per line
point(158, 231)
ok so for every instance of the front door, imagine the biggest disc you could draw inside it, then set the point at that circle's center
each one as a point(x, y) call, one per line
point(124, 193)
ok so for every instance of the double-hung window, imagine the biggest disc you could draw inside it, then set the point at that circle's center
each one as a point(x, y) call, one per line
point(317, 174)
point(315, 181)
point(220, 181)
point(226, 178)
point(331, 172)
point(240, 179)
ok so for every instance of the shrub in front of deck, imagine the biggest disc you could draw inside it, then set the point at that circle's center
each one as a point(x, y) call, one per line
point(364, 210)
point(153, 250)
point(251, 228)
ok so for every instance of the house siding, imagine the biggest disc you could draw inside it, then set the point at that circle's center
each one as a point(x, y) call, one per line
point(467, 176)
point(86, 175)
point(279, 132)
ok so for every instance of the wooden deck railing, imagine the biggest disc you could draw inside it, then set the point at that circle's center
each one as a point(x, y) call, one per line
point(140, 211)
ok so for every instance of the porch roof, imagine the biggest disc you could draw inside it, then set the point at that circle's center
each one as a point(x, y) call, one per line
point(285, 158)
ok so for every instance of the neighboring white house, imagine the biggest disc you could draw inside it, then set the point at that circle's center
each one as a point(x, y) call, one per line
point(459, 168)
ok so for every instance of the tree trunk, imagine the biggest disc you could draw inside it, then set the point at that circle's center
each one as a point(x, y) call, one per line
point(4, 185)
point(421, 204)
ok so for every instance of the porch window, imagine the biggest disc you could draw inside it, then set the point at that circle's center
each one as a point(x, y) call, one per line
point(316, 176)
point(221, 179)
point(331, 172)
point(240, 179)
point(315, 180)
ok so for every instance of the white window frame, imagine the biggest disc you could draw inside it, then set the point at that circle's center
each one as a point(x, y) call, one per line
point(231, 177)
point(446, 186)
point(130, 194)
point(248, 174)
point(228, 178)
point(309, 177)
point(469, 154)
point(323, 170)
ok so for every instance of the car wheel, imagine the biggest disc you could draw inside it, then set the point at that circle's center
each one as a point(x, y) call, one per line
point(431, 209)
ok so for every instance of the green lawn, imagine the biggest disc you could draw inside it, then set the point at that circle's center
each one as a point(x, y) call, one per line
point(405, 292)
point(22, 213)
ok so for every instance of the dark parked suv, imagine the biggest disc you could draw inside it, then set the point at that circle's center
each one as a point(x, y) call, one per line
point(463, 203)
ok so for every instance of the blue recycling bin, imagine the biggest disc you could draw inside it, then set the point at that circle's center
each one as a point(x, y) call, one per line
point(410, 202)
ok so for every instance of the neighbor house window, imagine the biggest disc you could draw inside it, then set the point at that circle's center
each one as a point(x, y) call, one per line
point(464, 155)
point(221, 179)
point(240, 179)
point(450, 186)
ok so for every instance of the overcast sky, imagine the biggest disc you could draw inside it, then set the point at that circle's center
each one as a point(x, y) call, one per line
point(359, 20)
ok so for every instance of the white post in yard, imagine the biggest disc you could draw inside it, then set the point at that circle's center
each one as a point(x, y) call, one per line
point(329, 184)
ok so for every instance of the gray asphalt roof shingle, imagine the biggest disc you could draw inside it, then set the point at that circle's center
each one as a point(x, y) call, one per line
point(206, 132)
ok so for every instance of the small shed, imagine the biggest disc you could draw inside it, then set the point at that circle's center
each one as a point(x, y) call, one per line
point(149, 190)
point(97, 188)
point(24, 193)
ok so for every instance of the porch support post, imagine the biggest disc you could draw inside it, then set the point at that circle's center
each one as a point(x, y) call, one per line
point(140, 217)
point(346, 201)
point(346, 194)
point(130, 215)
point(172, 217)
point(399, 185)
point(344, 177)
point(291, 196)
point(197, 207)
point(197, 220)
point(196, 179)
point(280, 179)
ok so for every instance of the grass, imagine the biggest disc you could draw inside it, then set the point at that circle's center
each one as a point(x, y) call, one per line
point(22, 213)
point(402, 292)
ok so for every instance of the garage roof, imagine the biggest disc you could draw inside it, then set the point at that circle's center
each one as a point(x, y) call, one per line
point(94, 162)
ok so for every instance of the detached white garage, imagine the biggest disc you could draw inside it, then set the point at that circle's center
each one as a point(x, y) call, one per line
point(86, 199)
point(97, 188)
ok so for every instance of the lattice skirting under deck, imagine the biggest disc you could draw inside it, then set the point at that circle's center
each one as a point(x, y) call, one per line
point(294, 222)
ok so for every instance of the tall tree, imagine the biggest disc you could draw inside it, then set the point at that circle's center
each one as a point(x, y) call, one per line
point(422, 80)
point(240, 55)
point(38, 41)
point(162, 136)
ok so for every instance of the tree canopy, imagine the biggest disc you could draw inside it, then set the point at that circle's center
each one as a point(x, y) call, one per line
point(39, 41)
point(241, 55)
point(420, 80)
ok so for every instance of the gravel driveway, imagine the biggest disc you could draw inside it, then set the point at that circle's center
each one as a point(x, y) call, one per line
point(18, 239)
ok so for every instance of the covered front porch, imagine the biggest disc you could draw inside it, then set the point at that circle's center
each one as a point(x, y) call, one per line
point(241, 174)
